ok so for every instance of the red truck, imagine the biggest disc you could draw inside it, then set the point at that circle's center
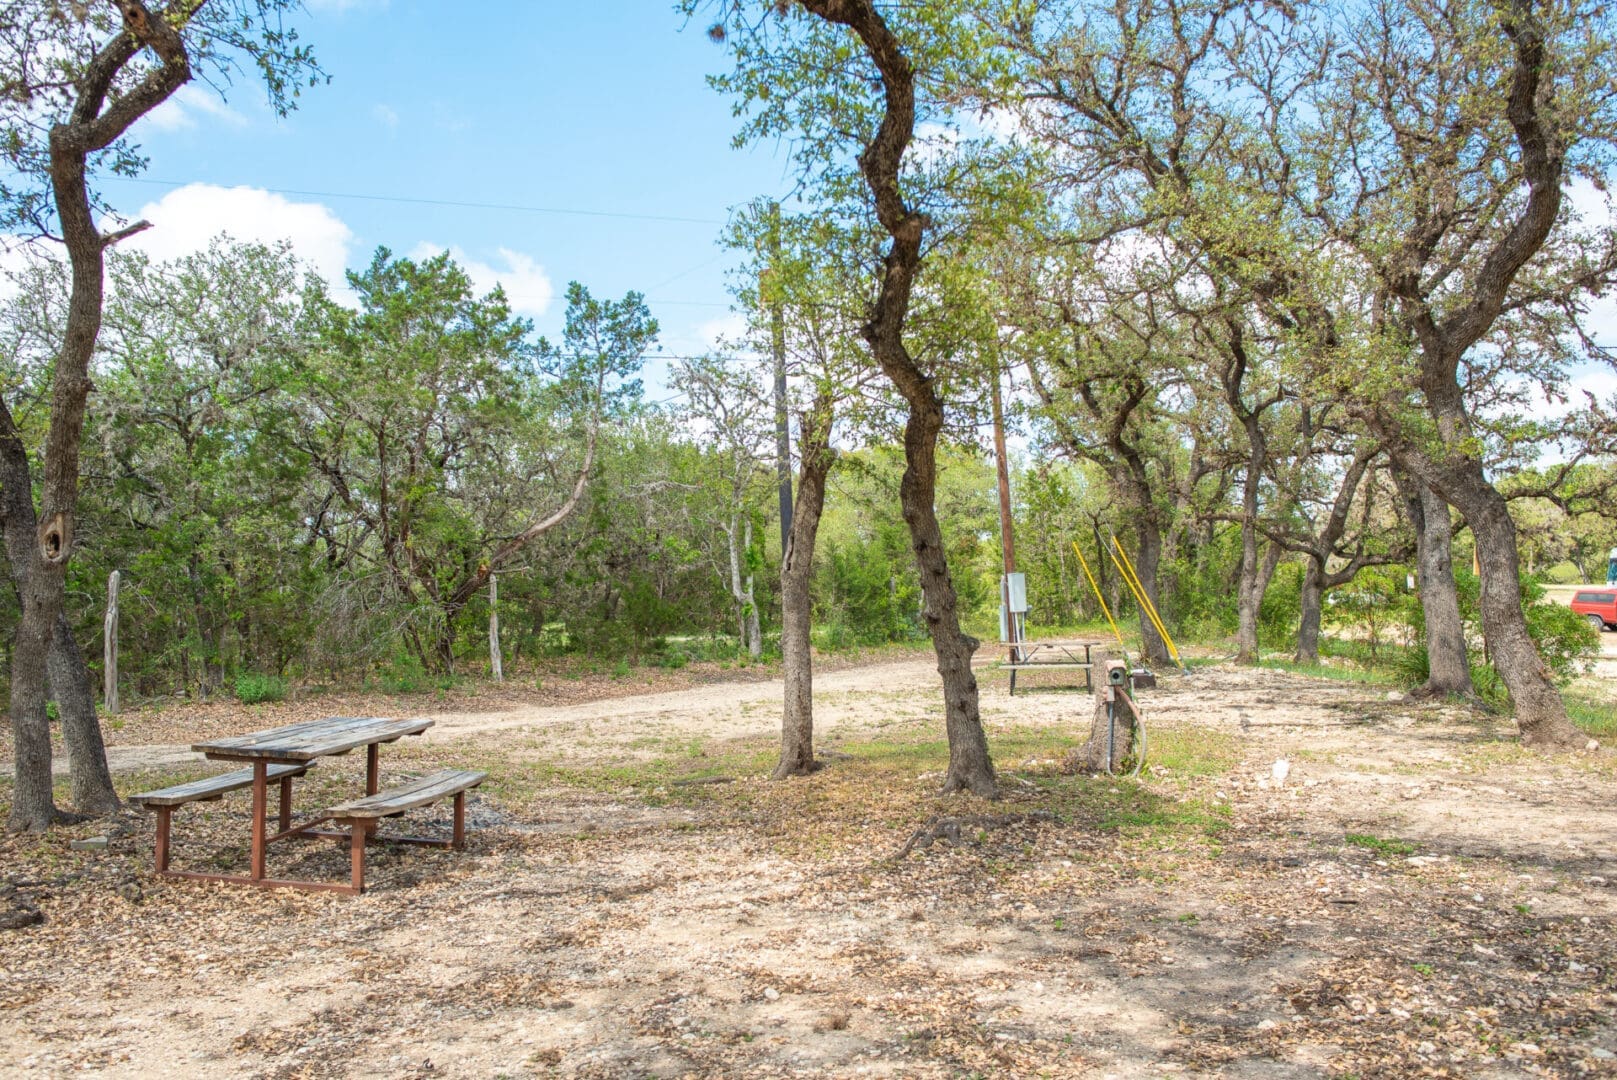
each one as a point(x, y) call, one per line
point(1600, 608)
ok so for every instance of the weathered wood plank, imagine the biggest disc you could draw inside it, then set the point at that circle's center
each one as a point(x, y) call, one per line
point(312, 738)
point(213, 786)
point(408, 796)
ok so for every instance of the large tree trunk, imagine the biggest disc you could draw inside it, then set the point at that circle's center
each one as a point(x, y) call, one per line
point(1147, 561)
point(1540, 712)
point(1448, 668)
point(1312, 603)
point(970, 768)
point(1254, 583)
point(796, 575)
point(67, 676)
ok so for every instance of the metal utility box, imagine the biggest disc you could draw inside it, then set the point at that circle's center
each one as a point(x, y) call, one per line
point(1015, 592)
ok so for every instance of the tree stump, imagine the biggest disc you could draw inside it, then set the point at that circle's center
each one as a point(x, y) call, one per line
point(1114, 731)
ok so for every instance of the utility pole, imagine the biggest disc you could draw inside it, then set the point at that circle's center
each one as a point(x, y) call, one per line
point(771, 294)
point(1007, 592)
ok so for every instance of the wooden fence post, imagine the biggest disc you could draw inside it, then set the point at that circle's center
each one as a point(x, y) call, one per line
point(494, 627)
point(109, 647)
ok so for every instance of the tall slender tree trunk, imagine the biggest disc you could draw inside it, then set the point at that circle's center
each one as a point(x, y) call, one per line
point(796, 575)
point(1448, 668)
point(755, 632)
point(970, 767)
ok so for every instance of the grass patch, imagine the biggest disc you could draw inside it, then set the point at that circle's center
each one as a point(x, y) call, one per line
point(1592, 716)
point(1191, 751)
point(1379, 845)
point(1353, 674)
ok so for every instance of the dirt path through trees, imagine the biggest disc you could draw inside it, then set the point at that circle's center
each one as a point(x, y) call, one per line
point(1418, 897)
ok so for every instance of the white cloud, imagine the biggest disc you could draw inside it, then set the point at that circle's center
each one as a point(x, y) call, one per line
point(386, 115)
point(728, 330)
point(527, 286)
point(188, 218)
point(181, 110)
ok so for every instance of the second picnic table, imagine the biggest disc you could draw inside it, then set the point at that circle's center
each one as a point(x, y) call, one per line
point(283, 753)
point(1034, 655)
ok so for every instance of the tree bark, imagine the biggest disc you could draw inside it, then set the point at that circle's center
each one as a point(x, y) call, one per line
point(796, 575)
point(98, 119)
point(1448, 668)
point(1254, 583)
point(109, 646)
point(1147, 563)
point(67, 676)
point(1312, 604)
point(970, 768)
point(1540, 712)
point(755, 632)
point(496, 666)
point(91, 779)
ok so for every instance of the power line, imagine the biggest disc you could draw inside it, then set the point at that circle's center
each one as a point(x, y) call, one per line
point(415, 201)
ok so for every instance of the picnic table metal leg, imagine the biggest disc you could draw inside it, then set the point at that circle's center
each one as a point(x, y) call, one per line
point(459, 841)
point(356, 855)
point(163, 814)
point(260, 810)
point(372, 769)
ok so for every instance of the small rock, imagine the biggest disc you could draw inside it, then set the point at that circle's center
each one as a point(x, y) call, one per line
point(1600, 1053)
point(1267, 1025)
point(1394, 696)
point(1592, 744)
point(90, 843)
point(771, 993)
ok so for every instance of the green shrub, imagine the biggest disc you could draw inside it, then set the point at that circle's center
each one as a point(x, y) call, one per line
point(402, 675)
point(251, 688)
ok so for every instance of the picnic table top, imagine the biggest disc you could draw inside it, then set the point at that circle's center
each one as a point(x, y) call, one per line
point(312, 739)
point(1035, 645)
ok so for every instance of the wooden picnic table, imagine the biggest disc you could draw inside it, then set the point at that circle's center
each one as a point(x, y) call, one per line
point(1036, 655)
point(300, 744)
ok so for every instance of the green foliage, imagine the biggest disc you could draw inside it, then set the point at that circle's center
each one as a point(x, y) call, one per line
point(1282, 604)
point(252, 688)
point(1565, 640)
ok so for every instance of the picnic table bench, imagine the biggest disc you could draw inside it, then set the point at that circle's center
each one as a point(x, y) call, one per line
point(212, 789)
point(361, 815)
point(286, 752)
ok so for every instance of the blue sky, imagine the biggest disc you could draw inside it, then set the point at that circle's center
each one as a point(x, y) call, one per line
point(597, 108)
